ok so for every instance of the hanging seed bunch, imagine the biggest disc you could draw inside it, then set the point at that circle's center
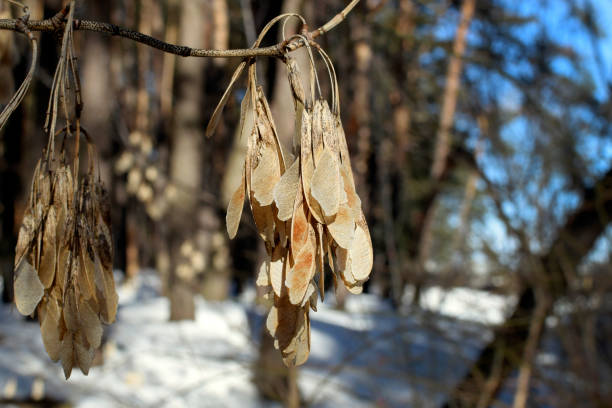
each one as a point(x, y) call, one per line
point(305, 210)
point(63, 263)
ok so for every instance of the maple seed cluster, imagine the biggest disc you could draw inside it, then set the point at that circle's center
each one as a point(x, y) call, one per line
point(304, 205)
point(63, 263)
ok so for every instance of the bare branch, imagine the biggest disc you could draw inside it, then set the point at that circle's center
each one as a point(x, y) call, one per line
point(50, 25)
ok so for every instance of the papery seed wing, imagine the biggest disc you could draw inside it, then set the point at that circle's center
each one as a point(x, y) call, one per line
point(325, 183)
point(271, 135)
point(300, 226)
point(90, 324)
point(355, 290)
point(286, 322)
point(330, 136)
point(63, 267)
point(216, 116)
point(28, 288)
point(313, 205)
point(317, 130)
point(34, 184)
point(247, 117)
point(87, 274)
point(84, 355)
point(313, 300)
point(67, 355)
point(342, 228)
point(343, 147)
point(265, 176)
point(361, 253)
point(49, 328)
point(263, 276)
point(27, 233)
point(309, 292)
point(352, 199)
point(103, 206)
point(234, 209)
point(276, 276)
point(104, 243)
point(264, 220)
point(105, 292)
point(44, 188)
point(303, 270)
point(46, 271)
point(300, 275)
point(70, 312)
point(272, 321)
point(286, 190)
point(296, 353)
point(343, 261)
point(321, 242)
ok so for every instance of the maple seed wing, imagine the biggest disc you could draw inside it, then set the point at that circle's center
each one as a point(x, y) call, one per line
point(265, 176)
point(90, 323)
point(361, 254)
point(49, 328)
point(49, 252)
point(26, 235)
point(67, 355)
point(216, 116)
point(286, 190)
point(28, 288)
point(342, 228)
point(301, 274)
point(234, 209)
point(263, 277)
point(276, 276)
point(325, 183)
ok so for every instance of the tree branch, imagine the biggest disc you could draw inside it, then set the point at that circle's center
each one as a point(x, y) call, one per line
point(51, 24)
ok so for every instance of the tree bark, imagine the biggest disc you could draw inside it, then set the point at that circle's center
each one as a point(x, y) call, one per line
point(186, 159)
point(443, 139)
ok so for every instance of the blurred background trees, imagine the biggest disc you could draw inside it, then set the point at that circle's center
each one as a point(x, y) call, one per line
point(480, 136)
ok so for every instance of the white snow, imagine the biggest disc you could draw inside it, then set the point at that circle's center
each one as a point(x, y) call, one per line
point(364, 356)
point(468, 304)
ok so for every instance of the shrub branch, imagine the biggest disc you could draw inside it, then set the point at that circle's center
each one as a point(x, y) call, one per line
point(56, 22)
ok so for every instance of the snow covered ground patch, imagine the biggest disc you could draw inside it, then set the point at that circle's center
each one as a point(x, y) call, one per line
point(467, 304)
point(364, 356)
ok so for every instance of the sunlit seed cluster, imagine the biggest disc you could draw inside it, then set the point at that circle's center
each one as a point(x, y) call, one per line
point(304, 205)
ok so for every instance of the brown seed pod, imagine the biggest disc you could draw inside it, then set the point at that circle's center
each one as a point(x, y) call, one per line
point(64, 261)
point(304, 210)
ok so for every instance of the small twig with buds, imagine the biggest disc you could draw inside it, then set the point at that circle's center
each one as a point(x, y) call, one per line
point(51, 24)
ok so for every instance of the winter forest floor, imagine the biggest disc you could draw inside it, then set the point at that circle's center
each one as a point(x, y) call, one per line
point(364, 356)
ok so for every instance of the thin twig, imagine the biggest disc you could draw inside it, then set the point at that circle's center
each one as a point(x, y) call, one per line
point(279, 49)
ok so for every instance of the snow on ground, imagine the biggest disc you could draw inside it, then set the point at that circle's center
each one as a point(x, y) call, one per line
point(468, 304)
point(365, 356)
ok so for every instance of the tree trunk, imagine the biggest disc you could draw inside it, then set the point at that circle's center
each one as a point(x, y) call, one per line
point(186, 158)
point(443, 140)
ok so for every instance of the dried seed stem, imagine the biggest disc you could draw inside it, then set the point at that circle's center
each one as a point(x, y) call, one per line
point(23, 6)
point(21, 26)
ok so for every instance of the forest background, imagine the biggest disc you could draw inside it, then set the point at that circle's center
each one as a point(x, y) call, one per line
point(480, 135)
